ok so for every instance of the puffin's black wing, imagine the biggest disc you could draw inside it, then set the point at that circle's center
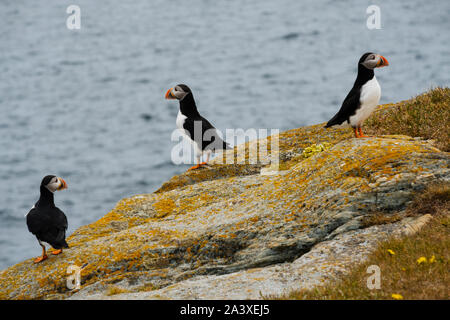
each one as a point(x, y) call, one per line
point(210, 139)
point(348, 108)
point(62, 219)
point(49, 225)
point(33, 221)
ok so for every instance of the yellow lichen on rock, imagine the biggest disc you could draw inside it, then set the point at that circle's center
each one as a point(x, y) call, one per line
point(315, 148)
point(164, 207)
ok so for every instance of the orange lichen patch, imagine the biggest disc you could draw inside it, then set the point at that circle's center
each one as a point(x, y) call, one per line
point(113, 290)
point(164, 207)
point(208, 173)
point(190, 204)
point(167, 206)
point(304, 137)
point(116, 220)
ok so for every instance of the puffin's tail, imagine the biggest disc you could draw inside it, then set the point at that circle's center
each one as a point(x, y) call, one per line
point(60, 241)
point(334, 121)
point(60, 245)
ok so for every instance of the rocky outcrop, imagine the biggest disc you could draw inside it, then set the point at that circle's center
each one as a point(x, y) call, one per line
point(228, 231)
point(324, 262)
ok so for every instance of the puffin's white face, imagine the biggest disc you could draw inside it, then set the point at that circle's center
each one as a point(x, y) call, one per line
point(374, 60)
point(178, 92)
point(56, 183)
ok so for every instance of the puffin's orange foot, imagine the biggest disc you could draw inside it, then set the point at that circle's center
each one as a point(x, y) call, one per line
point(203, 163)
point(194, 167)
point(361, 134)
point(40, 259)
point(56, 252)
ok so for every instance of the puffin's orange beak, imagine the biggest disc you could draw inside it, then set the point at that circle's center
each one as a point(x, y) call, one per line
point(382, 62)
point(63, 184)
point(169, 95)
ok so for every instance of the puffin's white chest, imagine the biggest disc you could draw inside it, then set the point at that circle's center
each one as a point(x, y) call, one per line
point(369, 98)
point(180, 120)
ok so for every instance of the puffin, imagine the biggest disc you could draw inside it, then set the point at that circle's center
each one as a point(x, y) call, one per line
point(47, 222)
point(363, 98)
point(197, 129)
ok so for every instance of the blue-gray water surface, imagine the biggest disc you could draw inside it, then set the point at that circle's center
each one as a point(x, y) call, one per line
point(88, 105)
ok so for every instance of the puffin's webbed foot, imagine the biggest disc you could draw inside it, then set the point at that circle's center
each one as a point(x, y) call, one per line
point(44, 254)
point(194, 167)
point(56, 252)
point(361, 134)
point(40, 259)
